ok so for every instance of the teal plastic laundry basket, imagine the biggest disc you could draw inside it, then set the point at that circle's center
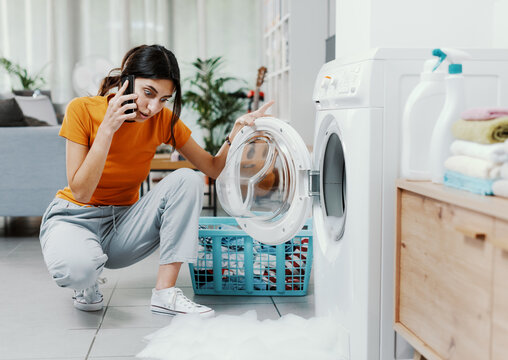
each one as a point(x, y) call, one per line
point(232, 263)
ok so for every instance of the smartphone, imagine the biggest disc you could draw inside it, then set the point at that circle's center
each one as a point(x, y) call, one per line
point(129, 90)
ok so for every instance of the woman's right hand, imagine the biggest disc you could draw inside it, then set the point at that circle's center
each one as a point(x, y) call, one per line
point(115, 114)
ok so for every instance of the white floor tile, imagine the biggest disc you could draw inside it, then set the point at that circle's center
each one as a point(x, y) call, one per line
point(120, 317)
point(7, 246)
point(119, 342)
point(140, 275)
point(293, 299)
point(47, 307)
point(131, 297)
point(38, 343)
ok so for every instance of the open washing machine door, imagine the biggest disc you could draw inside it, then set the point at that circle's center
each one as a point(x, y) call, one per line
point(330, 160)
point(265, 183)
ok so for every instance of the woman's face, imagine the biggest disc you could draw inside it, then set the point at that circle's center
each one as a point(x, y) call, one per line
point(152, 96)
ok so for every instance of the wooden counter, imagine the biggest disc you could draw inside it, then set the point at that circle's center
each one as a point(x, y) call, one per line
point(451, 272)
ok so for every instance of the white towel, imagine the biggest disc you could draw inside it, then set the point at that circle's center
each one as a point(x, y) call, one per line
point(474, 167)
point(504, 171)
point(491, 152)
point(501, 154)
point(500, 188)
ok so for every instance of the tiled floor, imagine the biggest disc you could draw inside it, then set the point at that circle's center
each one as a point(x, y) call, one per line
point(38, 321)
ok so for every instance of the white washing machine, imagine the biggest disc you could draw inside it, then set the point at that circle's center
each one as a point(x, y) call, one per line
point(270, 184)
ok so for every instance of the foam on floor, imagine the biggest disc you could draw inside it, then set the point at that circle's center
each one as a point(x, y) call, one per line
point(244, 337)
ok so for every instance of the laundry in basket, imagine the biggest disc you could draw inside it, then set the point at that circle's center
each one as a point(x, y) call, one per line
point(231, 263)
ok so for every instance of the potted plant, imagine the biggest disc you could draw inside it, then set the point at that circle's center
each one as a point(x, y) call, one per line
point(217, 107)
point(29, 82)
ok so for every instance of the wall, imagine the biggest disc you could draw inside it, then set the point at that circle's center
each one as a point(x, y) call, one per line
point(500, 24)
point(364, 24)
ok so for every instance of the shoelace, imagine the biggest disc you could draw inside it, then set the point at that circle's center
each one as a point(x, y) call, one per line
point(184, 300)
point(90, 296)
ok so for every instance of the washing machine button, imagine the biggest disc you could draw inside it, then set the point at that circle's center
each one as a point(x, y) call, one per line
point(326, 82)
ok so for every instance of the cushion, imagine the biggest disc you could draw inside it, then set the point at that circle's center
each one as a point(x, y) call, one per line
point(39, 107)
point(30, 121)
point(10, 113)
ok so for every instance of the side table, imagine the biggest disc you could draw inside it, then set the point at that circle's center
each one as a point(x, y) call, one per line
point(163, 163)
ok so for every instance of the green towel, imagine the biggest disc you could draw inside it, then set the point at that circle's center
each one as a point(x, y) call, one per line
point(482, 131)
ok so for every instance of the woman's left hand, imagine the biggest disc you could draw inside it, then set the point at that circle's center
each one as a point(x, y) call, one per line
point(249, 119)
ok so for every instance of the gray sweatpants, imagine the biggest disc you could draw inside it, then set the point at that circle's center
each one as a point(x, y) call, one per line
point(79, 241)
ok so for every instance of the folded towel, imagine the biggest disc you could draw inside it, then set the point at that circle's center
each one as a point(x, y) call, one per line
point(500, 188)
point(490, 152)
point(463, 182)
point(504, 171)
point(501, 154)
point(484, 113)
point(483, 132)
point(474, 167)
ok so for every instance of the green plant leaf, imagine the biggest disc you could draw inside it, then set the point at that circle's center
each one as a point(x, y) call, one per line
point(28, 82)
point(207, 96)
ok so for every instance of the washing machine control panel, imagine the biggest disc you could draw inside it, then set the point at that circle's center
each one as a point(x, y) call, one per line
point(342, 84)
point(347, 85)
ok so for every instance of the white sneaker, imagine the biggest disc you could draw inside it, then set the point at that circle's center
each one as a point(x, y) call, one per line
point(89, 299)
point(172, 301)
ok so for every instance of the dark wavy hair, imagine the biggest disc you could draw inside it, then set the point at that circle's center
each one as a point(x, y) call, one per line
point(150, 62)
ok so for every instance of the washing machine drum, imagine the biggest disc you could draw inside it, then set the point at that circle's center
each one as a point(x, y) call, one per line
point(264, 183)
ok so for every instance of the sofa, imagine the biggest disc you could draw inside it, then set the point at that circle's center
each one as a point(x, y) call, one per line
point(32, 160)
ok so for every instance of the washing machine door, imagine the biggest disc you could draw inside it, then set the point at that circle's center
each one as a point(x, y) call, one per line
point(329, 158)
point(265, 182)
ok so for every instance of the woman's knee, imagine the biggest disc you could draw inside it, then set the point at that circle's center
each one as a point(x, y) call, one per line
point(76, 273)
point(186, 179)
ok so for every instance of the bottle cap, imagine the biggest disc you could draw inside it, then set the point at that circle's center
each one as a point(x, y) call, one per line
point(455, 69)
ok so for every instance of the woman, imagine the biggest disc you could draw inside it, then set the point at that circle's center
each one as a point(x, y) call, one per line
point(98, 220)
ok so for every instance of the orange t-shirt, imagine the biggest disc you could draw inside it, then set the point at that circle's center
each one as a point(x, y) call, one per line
point(132, 148)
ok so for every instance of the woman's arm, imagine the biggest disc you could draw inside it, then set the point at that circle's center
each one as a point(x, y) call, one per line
point(85, 165)
point(213, 165)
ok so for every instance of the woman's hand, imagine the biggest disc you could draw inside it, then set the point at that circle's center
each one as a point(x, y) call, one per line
point(249, 119)
point(115, 114)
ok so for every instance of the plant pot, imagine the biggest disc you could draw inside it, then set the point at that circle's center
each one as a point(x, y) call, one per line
point(31, 92)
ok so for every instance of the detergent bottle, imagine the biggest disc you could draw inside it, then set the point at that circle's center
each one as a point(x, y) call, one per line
point(420, 115)
point(455, 103)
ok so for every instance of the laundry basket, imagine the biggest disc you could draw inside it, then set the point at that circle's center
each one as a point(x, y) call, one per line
point(232, 263)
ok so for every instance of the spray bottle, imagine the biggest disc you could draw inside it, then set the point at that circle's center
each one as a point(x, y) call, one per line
point(455, 103)
point(419, 118)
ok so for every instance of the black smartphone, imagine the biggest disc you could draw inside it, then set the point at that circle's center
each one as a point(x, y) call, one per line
point(129, 90)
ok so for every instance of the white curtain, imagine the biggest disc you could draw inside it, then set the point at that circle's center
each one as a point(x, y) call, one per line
point(52, 35)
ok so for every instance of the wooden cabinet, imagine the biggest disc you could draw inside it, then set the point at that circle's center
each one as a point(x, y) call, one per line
point(500, 293)
point(452, 272)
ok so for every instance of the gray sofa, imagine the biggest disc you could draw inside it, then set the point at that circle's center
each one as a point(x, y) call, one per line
point(32, 158)
point(32, 169)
